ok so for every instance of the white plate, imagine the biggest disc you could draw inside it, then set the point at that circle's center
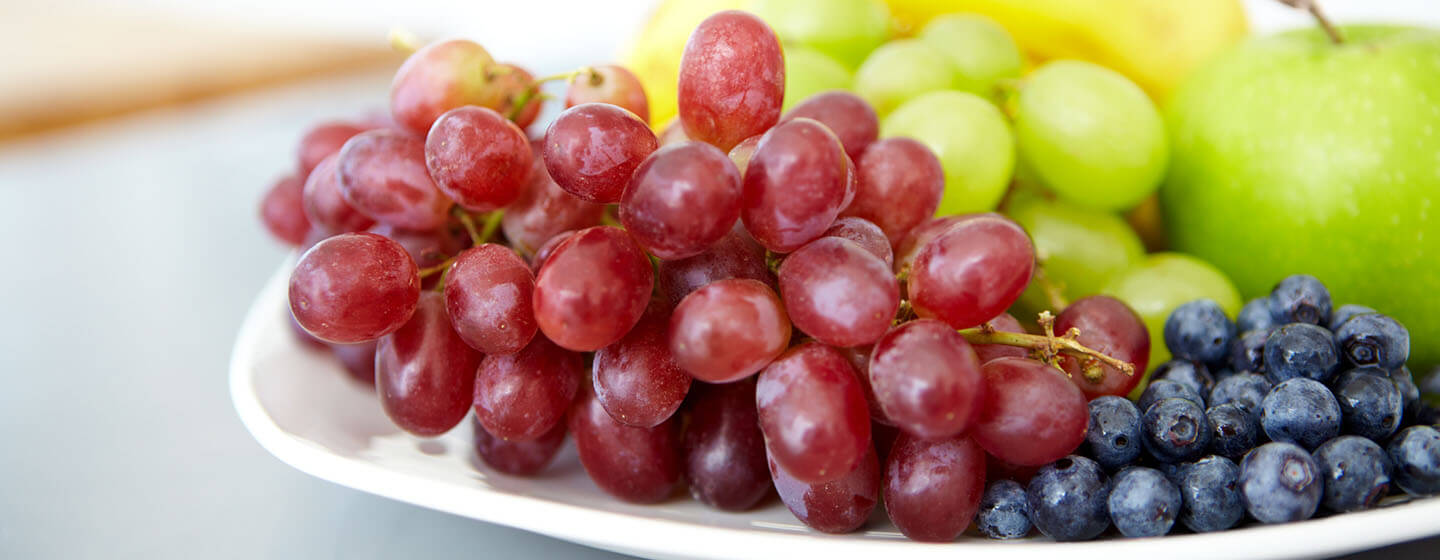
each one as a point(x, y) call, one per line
point(301, 406)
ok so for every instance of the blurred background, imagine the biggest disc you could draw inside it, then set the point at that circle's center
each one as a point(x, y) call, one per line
point(136, 137)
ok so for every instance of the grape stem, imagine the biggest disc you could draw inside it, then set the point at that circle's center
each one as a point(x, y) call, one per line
point(532, 93)
point(1314, 8)
point(1048, 346)
point(484, 233)
point(437, 269)
point(1054, 292)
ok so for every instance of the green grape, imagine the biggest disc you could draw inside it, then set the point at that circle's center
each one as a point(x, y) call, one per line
point(1090, 134)
point(981, 50)
point(970, 137)
point(1161, 283)
point(1079, 249)
point(808, 72)
point(845, 30)
point(901, 70)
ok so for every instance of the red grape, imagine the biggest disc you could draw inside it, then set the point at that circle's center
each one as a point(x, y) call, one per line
point(972, 272)
point(358, 359)
point(322, 141)
point(659, 207)
point(439, 77)
point(306, 338)
point(859, 357)
point(523, 395)
point(838, 506)
point(927, 379)
point(1031, 414)
point(424, 373)
point(487, 294)
point(728, 329)
point(543, 253)
point(609, 84)
point(519, 458)
point(724, 448)
point(283, 210)
point(734, 256)
point(933, 488)
point(354, 287)
point(635, 379)
point(813, 413)
point(847, 115)
point(477, 158)
point(428, 248)
point(544, 209)
point(909, 246)
point(742, 152)
point(794, 185)
point(1003, 323)
point(866, 234)
point(324, 204)
point(996, 469)
point(383, 175)
point(673, 133)
point(1110, 327)
point(884, 436)
point(592, 150)
point(514, 84)
point(732, 79)
point(638, 465)
point(900, 184)
point(839, 293)
point(592, 289)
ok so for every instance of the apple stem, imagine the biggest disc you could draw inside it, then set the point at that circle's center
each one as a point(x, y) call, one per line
point(1314, 8)
point(1048, 347)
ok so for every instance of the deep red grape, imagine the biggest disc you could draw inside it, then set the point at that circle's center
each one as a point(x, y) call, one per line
point(794, 185)
point(927, 379)
point(358, 359)
point(659, 208)
point(972, 272)
point(611, 84)
point(519, 458)
point(635, 379)
point(859, 357)
point(909, 246)
point(544, 209)
point(813, 413)
point(592, 150)
point(1031, 414)
point(487, 294)
point(724, 448)
point(900, 185)
point(543, 253)
point(514, 84)
point(852, 120)
point(734, 256)
point(838, 506)
point(592, 289)
point(742, 152)
point(1003, 323)
point(282, 210)
point(933, 488)
point(383, 175)
point(839, 293)
point(728, 329)
point(884, 436)
point(322, 141)
point(673, 133)
point(866, 234)
point(424, 373)
point(478, 158)
point(521, 396)
point(732, 79)
point(354, 287)
point(638, 465)
point(439, 77)
point(995, 469)
point(324, 204)
point(306, 338)
point(428, 248)
point(1110, 327)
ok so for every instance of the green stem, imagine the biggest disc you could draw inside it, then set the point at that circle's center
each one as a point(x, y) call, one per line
point(1048, 346)
point(437, 269)
point(492, 224)
point(469, 223)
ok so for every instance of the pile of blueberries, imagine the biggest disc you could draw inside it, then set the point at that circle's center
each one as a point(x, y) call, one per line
point(1291, 407)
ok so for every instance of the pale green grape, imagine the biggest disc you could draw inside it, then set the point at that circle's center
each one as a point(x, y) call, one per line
point(808, 72)
point(846, 30)
point(1090, 134)
point(981, 50)
point(901, 70)
point(1161, 283)
point(1079, 249)
point(970, 137)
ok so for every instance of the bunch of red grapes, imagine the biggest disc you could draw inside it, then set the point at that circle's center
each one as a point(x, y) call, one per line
point(749, 301)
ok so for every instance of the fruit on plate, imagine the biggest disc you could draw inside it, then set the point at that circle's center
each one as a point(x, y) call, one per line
point(1162, 282)
point(846, 30)
point(654, 54)
point(808, 72)
point(981, 51)
point(1309, 154)
point(972, 140)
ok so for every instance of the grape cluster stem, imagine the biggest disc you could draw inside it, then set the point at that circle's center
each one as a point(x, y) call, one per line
point(1048, 346)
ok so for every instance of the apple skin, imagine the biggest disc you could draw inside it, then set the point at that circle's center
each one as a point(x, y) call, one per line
point(1293, 155)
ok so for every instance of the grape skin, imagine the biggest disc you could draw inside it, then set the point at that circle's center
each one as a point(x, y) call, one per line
point(383, 175)
point(282, 210)
point(424, 373)
point(1110, 327)
point(839, 506)
point(1005, 322)
point(636, 380)
point(514, 83)
point(1031, 414)
point(927, 379)
point(659, 206)
point(354, 287)
point(322, 141)
point(593, 289)
point(866, 234)
point(795, 185)
point(544, 210)
point(487, 295)
point(900, 185)
point(847, 115)
point(523, 395)
point(813, 413)
point(611, 84)
point(971, 272)
point(732, 79)
point(592, 150)
point(735, 255)
point(728, 330)
point(437, 78)
point(933, 487)
point(519, 458)
point(325, 206)
point(724, 449)
point(478, 158)
point(637, 465)
point(839, 293)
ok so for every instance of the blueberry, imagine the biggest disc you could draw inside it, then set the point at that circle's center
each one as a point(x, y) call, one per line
point(1143, 503)
point(1356, 473)
point(1190, 374)
point(1164, 389)
point(1233, 430)
point(1067, 499)
point(1247, 353)
point(1210, 489)
point(1415, 455)
point(1255, 316)
point(1280, 482)
point(1175, 430)
point(1370, 405)
point(1245, 390)
point(1300, 350)
point(1113, 437)
point(1199, 331)
point(1300, 411)
point(1409, 393)
point(1372, 339)
point(1222, 373)
point(1004, 512)
point(1300, 299)
point(1427, 414)
point(1344, 313)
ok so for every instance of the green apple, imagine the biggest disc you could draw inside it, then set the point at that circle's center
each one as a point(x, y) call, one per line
point(1295, 155)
